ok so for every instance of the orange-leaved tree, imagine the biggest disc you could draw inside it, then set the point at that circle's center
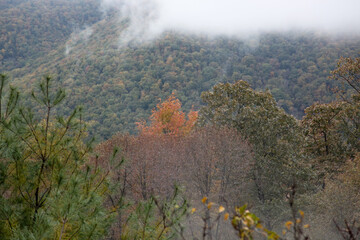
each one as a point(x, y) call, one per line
point(168, 118)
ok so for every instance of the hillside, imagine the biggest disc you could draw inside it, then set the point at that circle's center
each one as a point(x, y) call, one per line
point(198, 135)
point(32, 28)
point(119, 86)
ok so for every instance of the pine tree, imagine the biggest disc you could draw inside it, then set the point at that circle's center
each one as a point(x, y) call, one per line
point(49, 189)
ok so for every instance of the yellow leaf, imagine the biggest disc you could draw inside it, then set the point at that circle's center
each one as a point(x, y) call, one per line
point(210, 205)
point(226, 216)
point(193, 210)
point(204, 200)
point(298, 220)
point(301, 213)
point(221, 209)
point(259, 226)
point(249, 219)
point(306, 226)
point(283, 232)
point(288, 224)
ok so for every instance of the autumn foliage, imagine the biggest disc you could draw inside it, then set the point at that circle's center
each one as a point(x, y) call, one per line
point(168, 118)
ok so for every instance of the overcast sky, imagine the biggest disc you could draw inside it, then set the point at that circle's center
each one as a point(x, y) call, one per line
point(238, 17)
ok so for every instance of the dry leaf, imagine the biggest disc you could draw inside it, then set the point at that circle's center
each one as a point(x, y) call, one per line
point(221, 209)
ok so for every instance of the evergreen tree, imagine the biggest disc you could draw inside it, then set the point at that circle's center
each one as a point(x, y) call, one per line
point(49, 189)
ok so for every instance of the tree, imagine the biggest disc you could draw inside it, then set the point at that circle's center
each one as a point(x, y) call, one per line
point(337, 202)
point(348, 74)
point(169, 119)
point(274, 135)
point(329, 136)
point(216, 165)
point(216, 161)
point(48, 188)
point(332, 130)
point(150, 207)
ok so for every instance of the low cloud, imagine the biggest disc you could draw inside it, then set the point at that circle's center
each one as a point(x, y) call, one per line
point(149, 18)
point(76, 37)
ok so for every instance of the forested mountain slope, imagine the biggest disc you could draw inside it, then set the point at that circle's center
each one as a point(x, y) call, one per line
point(31, 28)
point(119, 86)
point(275, 128)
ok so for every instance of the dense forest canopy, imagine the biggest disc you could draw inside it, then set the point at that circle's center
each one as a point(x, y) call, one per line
point(121, 85)
point(30, 29)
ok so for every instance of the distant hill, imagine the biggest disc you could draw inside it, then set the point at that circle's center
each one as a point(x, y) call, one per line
point(32, 28)
point(119, 86)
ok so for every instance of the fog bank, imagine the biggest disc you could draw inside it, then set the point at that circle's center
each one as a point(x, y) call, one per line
point(149, 18)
